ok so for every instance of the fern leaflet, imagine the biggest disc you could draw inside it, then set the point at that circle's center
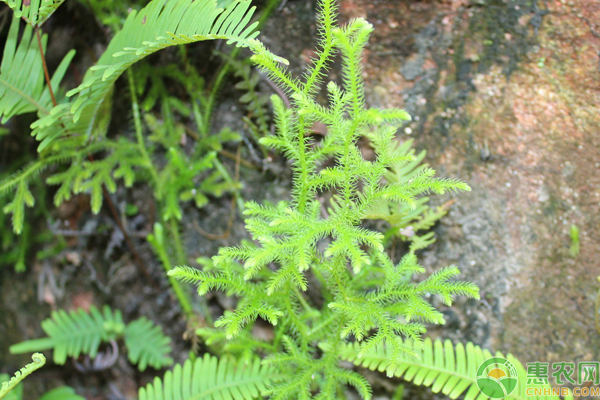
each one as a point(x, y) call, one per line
point(78, 332)
point(73, 333)
point(34, 12)
point(147, 345)
point(448, 369)
point(61, 393)
point(211, 378)
point(22, 87)
point(159, 25)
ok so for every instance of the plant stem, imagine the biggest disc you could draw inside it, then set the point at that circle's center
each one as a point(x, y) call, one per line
point(46, 74)
point(38, 361)
point(179, 249)
point(137, 120)
point(181, 295)
point(321, 325)
point(223, 171)
point(302, 300)
point(303, 165)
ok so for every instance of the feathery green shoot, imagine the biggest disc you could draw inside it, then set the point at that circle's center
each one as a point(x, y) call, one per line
point(365, 297)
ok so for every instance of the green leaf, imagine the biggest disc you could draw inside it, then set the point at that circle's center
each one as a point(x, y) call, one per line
point(210, 378)
point(22, 85)
point(61, 393)
point(445, 368)
point(147, 344)
point(34, 12)
point(71, 334)
point(159, 25)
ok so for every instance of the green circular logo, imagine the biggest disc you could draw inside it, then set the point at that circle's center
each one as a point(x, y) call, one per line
point(496, 377)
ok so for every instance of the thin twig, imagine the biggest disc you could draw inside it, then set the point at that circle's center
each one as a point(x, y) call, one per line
point(39, 40)
point(234, 157)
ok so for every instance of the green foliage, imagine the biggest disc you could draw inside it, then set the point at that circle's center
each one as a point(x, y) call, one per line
point(255, 102)
point(34, 12)
point(146, 344)
point(211, 378)
point(22, 86)
point(404, 219)
point(72, 131)
point(448, 369)
point(6, 386)
point(575, 246)
point(360, 298)
point(112, 13)
point(78, 332)
point(158, 25)
point(14, 248)
point(364, 294)
point(61, 393)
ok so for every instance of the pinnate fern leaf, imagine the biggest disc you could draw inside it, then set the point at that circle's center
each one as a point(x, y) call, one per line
point(147, 345)
point(34, 12)
point(22, 86)
point(79, 332)
point(71, 334)
point(158, 25)
point(211, 378)
point(446, 368)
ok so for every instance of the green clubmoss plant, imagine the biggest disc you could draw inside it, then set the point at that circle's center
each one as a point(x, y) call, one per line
point(315, 273)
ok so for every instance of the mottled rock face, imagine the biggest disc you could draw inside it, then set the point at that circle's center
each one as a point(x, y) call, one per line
point(505, 95)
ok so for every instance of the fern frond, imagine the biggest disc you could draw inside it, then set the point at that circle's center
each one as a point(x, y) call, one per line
point(34, 12)
point(159, 25)
point(71, 334)
point(211, 378)
point(22, 85)
point(255, 102)
point(147, 344)
point(451, 370)
point(38, 361)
